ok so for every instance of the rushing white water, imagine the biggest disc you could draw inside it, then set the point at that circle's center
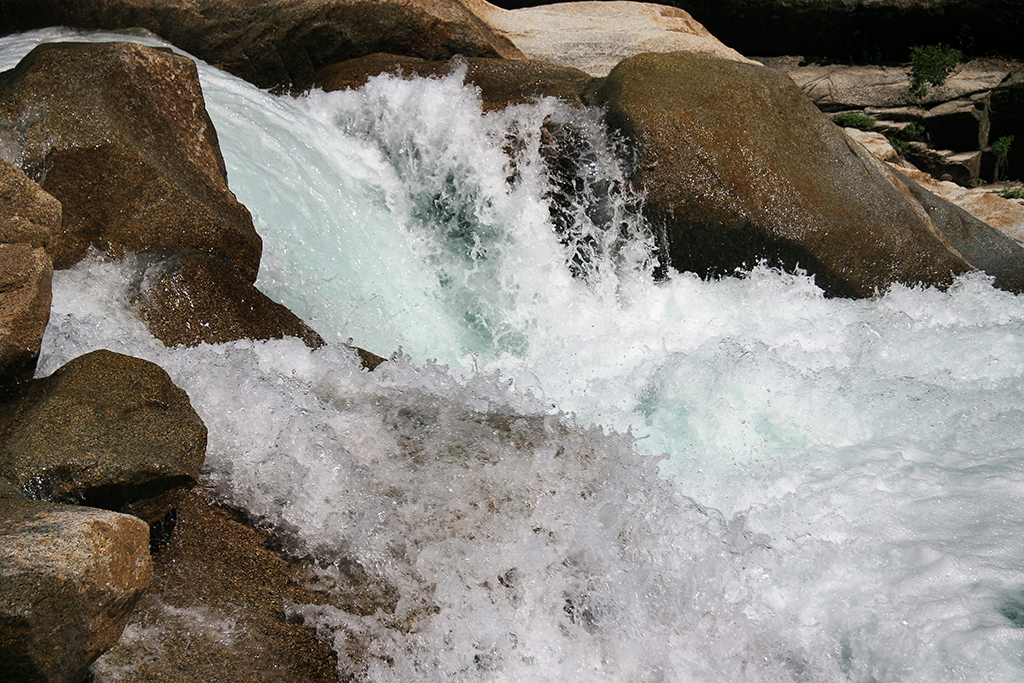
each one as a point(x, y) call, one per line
point(594, 478)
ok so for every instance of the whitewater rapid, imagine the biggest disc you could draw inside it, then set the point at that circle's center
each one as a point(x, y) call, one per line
point(597, 478)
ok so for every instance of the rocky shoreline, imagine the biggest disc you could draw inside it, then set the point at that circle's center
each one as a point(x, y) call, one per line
point(108, 147)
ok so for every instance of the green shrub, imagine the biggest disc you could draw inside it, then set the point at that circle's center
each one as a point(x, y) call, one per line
point(1013, 193)
point(852, 119)
point(914, 131)
point(932, 64)
point(1001, 147)
point(901, 146)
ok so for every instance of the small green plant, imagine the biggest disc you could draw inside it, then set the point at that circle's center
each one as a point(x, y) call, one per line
point(853, 119)
point(932, 64)
point(914, 131)
point(1012, 193)
point(1001, 148)
point(901, 146)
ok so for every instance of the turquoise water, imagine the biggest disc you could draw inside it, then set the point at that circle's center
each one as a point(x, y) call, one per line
point(572, 471)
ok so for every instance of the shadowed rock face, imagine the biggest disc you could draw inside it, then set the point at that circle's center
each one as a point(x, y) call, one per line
point(69, 577)
point(105, 430)
point(273, 44)
point(119, 134)
point(738, 166)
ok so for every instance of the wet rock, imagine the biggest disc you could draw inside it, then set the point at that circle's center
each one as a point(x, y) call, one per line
point(215, 610)
point(595, 36)
point(25, 275)
point(28, 218)
point(119, 134)
point(191, 298)
point(28, 214)
point(69, 578)
point(738, 167)
point(105, 430)
point(501, 82)
point(275, 44)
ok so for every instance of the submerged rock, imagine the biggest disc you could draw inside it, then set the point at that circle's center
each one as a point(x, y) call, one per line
point(105, 430)
point(739, 167)
point(119, 134)
point(69, 578)
point(193, 298)
point(502, 82)
point(215, 610)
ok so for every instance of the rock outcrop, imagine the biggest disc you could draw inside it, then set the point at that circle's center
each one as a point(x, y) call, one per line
point(502, 82)
point(119, 134)
point(595, 36)
point(958, 122)
point(279, 44)
point(738, 166)
point(69, 578)
point(105, 430)
point(193, 298)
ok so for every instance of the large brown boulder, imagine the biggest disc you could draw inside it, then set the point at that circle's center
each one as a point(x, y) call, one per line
point(193, 298)
point(29, 217)
point(738, 167)
point(275, 44)
point(502, 82)
point(105, 430)
point(69, 578)
point(119, 134)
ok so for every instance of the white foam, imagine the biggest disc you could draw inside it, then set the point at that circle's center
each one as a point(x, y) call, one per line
point(842, 494)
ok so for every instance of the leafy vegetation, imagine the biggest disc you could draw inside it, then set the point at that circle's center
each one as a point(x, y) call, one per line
point(1013, 193)
point(932, 64)
point(914, 131)
point(852, 119)
point(1001, 147)
point(901, 146)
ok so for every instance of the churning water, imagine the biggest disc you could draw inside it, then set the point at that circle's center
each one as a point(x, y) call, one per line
point(573, 471)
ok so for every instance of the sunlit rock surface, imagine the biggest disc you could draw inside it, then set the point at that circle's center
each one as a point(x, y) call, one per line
point(594, 36)
point(69, 577)
point(738, 166)
point(119, 134)
point(105, 430)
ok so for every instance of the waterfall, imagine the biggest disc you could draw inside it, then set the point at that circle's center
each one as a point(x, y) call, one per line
point(574, 470)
